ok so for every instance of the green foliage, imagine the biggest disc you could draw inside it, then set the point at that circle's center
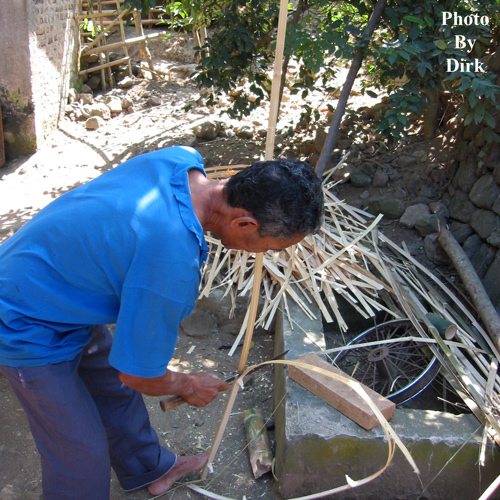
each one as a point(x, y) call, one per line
point(239, 49)
point(419, 51)
point(406, 57)
point(89, 26)
point(143, 5)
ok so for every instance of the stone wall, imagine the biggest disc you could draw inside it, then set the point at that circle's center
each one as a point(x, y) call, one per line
point(39, 62)
point(475, 216)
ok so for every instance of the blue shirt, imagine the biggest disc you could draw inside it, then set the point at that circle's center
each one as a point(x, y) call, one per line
point(126, 248)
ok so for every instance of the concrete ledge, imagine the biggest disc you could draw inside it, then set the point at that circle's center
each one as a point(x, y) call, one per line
point(316, 446)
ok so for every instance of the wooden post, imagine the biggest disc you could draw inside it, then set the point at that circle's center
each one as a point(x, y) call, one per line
point(259, 258)
point(2, 149)
point(122, 33)
point(143, 47)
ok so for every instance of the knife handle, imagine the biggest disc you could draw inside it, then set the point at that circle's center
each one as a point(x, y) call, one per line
point(171, 402)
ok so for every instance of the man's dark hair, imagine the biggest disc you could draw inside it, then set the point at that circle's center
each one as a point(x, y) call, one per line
point(285, 196)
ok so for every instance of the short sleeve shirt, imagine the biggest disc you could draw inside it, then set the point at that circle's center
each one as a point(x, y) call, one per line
point(126, 248)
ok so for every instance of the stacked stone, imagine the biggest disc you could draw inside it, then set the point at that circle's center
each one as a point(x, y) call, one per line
point(475, 220)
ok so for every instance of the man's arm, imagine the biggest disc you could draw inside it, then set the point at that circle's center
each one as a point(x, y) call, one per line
point(198, 389)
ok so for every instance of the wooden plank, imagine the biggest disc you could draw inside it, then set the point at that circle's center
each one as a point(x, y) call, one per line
point(340, 395)
point(2, 149)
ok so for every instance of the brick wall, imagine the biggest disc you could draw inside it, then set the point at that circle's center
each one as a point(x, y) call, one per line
point(39, 40)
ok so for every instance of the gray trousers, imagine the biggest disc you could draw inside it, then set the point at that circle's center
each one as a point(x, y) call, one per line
point(85, 421)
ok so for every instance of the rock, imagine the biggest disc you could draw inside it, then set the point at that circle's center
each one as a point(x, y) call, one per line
point(343, 173)
point(484, 192)
point(461, 208)
point(126, 83)
point(426, 192)
point(184, 70)
point(94, 82)
point(344, 144)
point(94, 122)
point(471, 245)
point(86, 98)
point(394, 174)
point(206, 129)
point(440, 209)
point(368, 168)
point(413, 213)
point(115, 105)
point(491, 280)
point(100, 109)
point(244, 131)
point(319, 140)
point(461, 231)
point(465, 177)
point(406, 161)
point(482, 259)
point(391, 208)
point(360, 179)
point(199, 324)
point(127, 102)
point(73, 96)
point(496, 173)
point(429, 224)
point(86, 89)
point(494, 238)
point(434, 251)
point(421, 155)
point(380, 179)
point(400, 193)
point(496, 206)
point(154, 100)
point(484, 222)
point(364, 195)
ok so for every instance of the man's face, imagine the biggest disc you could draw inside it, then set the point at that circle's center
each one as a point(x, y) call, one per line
point(252, 242)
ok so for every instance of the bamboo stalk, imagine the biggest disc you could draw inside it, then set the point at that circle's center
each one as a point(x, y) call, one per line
point(472, 284)
point(106, 65)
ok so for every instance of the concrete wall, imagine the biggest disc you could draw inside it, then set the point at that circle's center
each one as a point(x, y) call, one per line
point(38, 63)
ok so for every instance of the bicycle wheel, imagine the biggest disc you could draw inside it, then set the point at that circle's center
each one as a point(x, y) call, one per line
point(399, 371)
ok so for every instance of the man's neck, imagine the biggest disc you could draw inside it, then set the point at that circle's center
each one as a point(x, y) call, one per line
point(207, 198)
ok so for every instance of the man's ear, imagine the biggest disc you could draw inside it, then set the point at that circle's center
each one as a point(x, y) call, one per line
point(245, 223)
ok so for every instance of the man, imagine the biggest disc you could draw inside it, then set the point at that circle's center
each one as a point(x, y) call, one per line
point(126, 249)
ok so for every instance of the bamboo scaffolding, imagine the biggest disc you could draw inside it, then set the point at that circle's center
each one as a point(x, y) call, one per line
point(106, 65)
point(124, 43)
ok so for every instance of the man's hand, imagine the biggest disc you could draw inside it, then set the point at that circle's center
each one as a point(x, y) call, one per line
point(204, 388)
point(198, 389)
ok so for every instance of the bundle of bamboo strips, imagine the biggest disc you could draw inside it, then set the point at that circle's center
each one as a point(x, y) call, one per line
point(349, 257)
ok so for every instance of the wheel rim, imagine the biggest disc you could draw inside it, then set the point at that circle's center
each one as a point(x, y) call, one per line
point(399, 371)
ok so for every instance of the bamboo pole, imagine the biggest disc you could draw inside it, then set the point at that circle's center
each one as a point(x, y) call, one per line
point(97, 39)
point(125, 43)
point(143, 47)
point(259, 257)
point(106, 65)
point(124, 38)
point(473, 284)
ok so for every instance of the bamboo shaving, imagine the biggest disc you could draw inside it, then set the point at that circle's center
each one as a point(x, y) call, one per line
point(348, 257)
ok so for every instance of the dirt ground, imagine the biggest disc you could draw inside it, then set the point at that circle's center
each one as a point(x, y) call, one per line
point(72, 156)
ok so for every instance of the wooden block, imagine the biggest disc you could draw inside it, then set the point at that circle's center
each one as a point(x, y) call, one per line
point(340, 395)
